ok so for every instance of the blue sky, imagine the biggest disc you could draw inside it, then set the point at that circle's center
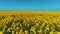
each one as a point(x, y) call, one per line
point(29, 4)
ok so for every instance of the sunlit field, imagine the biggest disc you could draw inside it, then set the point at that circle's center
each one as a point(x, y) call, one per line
point(29, 22)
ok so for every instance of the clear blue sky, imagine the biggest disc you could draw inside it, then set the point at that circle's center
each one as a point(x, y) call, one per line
point(29, 4)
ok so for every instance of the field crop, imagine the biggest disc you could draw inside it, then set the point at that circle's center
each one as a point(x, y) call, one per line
point(30, 22)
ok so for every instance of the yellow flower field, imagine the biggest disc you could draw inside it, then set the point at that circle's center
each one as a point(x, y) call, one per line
point(29, 22)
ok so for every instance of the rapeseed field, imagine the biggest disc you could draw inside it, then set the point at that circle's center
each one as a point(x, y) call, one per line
point(30, 22)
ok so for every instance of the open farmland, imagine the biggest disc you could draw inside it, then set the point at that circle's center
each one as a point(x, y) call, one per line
point(29, 22)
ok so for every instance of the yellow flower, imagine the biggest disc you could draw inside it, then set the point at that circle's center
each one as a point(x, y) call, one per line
point(26, 32)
